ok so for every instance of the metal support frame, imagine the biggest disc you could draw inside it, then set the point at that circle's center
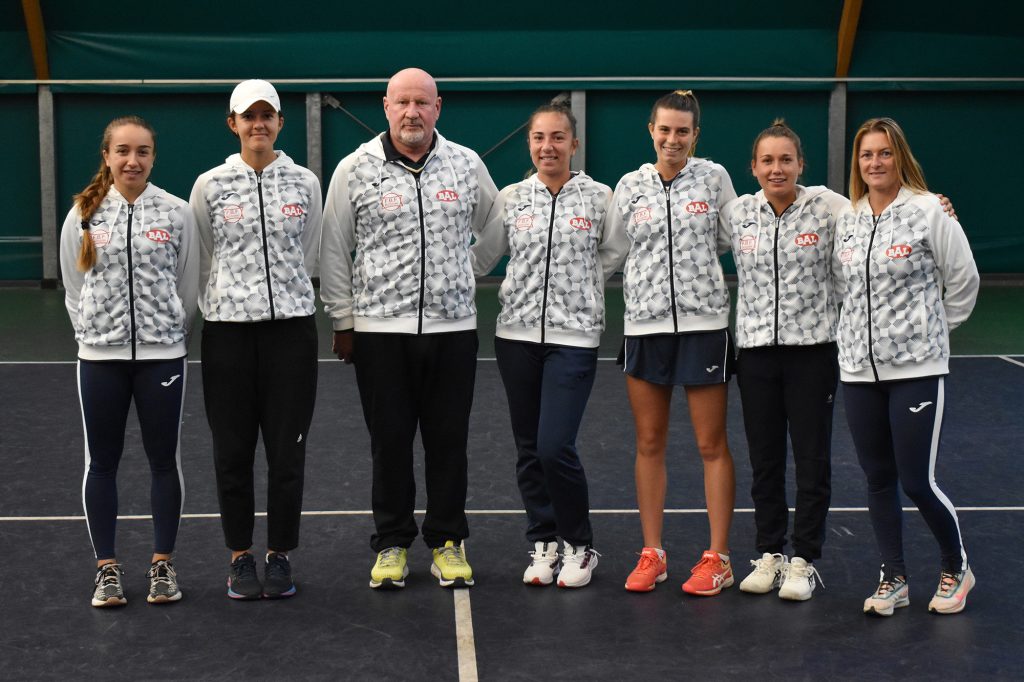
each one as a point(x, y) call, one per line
point(48, 188)
point(578, 103)
point(837, 138)
point(314, 135)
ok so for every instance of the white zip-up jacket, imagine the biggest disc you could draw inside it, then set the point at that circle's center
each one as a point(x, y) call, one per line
point(784, 267)
point(260, 238)
point(672, 280)
point(137, 302)
point(907, 278)
point(562, 252)
point(410, 232)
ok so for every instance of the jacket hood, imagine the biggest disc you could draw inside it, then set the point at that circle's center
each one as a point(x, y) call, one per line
point(235, 161)
point(803, 194)
point(150, 191)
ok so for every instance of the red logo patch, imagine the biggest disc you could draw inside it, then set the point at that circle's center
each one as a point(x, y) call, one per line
point(391, 201)
point(99, 238)
point(641, 215)
point(232, 214)
point(807, 239)
point(898, 251)
point(292, 210)
point(524, 222)
point(159, 236)
point(697, 207)
point(747, 244)
point(580, 223)
point(447, 195)
point(845, 256)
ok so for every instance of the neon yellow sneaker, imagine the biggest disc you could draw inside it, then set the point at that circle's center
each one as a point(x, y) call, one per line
point(390, 570)
point(450, 566)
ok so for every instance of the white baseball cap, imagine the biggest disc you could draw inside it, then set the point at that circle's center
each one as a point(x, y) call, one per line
point(249, 92)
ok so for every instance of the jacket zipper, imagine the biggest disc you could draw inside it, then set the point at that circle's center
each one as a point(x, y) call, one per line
point(775, 256)
point(423, 255)
point(547, 270)
point(131, 280)
point(867, 293)
point(671, 259)
point(266, 250)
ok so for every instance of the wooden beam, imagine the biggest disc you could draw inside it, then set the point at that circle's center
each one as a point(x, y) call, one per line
point(847, 33)
point(36, 37)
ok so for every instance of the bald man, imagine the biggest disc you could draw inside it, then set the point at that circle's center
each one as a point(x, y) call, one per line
point(407, 204)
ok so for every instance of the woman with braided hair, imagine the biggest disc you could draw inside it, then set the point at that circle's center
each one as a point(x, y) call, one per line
point(130, 263)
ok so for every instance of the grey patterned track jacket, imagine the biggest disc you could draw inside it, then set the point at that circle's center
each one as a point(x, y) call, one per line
point(138, 300)
point(906, 279)
point(784, 268)
point(673, 280)
point(260, 239)
point(411, 273)
point(561, 254)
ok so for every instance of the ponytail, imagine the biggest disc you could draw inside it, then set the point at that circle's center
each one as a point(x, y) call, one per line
point(88, 200)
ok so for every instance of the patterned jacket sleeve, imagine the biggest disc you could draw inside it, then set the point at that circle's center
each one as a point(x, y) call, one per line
point(337, 242)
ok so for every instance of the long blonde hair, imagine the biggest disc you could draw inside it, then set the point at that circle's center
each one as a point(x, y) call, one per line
point(907, 167)
point(90, 198)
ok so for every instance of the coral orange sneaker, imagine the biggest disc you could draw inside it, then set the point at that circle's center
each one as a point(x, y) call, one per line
point(710, 576)
point(650, 570)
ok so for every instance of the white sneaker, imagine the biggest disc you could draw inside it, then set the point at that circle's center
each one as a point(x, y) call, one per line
point(767, 574)
point(544, 566)
point(798, 580)
point(951, 595)
point(890, 595)
point(578, 564)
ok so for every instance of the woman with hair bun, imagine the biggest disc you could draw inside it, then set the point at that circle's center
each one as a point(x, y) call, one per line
point(786, 367)
point(549, 328)
point(676, 328)
point(129, 262)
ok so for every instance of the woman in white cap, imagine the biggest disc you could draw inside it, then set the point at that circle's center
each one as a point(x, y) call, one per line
point(258, 216)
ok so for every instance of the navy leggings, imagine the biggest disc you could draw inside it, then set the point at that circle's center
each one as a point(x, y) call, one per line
point(547, 388)
point(106, 390)
point(895, 427)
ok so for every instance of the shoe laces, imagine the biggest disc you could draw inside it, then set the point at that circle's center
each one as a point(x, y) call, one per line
point(390, 557)
point(886, 587)
point(578, 555)
point(766, 566)
point(451, 555)
point(948, 582)
point(109, 574)
point(277, 566)
point(805, 571)
point(648, 561)
point(162, 572)
point(244, 567)
point(707, 565)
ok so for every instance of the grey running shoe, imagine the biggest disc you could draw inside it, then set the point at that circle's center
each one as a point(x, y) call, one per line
point(163, 583)
point(951, 595)
point(108, 590)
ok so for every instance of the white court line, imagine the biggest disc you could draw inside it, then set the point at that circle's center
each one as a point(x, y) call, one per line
point(1008, 358)
point(481, 512)
point(465, 644)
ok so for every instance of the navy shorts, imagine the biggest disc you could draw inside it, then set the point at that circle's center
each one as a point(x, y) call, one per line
point(690, 359)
